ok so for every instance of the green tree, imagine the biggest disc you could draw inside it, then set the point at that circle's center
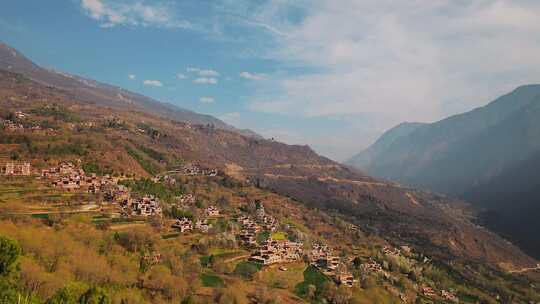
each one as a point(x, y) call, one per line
point(70, 294)
point(95, 295)
point(9, 270)
point(9, 253)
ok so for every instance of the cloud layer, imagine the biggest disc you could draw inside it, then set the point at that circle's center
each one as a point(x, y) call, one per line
point(133, 13)
point(394, 61)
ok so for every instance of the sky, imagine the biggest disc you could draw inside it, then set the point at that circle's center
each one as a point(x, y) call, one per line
point(330, 74)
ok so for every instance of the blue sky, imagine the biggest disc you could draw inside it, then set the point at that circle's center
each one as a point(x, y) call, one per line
point(331, 75)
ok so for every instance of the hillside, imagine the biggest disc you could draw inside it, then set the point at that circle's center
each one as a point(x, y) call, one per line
point(47, 126)
point(128, 142)
point(485, 156)
point(92, 91)
point(510, 203)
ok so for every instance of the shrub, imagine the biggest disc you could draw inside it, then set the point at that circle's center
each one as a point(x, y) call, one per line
point(247, 270)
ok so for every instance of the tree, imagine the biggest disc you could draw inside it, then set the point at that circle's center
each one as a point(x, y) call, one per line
point(95, 295)
point(9, 269)
point(9, 253)
point(70, 294)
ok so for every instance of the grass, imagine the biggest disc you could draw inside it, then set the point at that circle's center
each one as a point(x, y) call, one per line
point(262, 236)
point(279, 236)
point(211, 280)
point(170, 236)
point(312, 276)
point(206, 260)
point(247, 270)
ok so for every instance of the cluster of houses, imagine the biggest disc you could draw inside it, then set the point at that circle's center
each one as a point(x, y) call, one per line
point(148, 205)
point(15, 126)
point(193, 169)
point(72, 178)
point(266, 221)
point(445, 294)
point(11, 126)
point(211, 211)
point(250, 227)
point(186, 225)
point(322, 257)
point(187, 199)
point(449, 296)
point(278, 251)
point(249, 230)
point(14, 168)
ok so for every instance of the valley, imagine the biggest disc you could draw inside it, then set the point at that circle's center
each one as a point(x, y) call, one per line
point(374, 230)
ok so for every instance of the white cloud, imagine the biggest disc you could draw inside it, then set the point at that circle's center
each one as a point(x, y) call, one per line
point(153, 83)
point(203, 72)
point(207, 99)
point(180, 76)
point(252, 76)
point(205, 80)
point(133, 13)
point(132, 76)
point(395, 61)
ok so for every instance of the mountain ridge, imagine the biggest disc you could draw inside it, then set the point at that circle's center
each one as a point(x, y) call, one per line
point(95, 91)
point(483, 156)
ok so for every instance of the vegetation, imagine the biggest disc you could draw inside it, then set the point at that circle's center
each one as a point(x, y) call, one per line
point(247, 269)
point(211, 280)
point(313, 285)
point(146, 164)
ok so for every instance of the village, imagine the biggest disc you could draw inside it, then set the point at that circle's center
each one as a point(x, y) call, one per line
point(69, 177)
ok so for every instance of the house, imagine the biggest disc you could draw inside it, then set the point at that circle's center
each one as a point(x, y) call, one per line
point(17, 168)
point(20, 115)
point(202, 225)
point(145, 206)
point(344, 278)
point(211, 211)
point(187, 199)
point(11, 126)
point(447, 295)
point(277, 251)
point(152, 259)
point(428, 291)
point(391, 252)
point(317, 252)
point(328, 264)
point(183, 224)
point(373, 266)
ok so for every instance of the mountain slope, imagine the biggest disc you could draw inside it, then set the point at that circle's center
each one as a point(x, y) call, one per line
point(464, 150)
point(511, 203)
point(363, 159)
point(96, 92)
point(148, 144)
point(489, 156)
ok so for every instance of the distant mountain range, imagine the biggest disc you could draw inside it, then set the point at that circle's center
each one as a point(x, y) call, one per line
point(104, 94)
point(490, 156)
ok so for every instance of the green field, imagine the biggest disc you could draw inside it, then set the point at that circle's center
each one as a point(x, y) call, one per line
point(211, 280)
point(312, 276)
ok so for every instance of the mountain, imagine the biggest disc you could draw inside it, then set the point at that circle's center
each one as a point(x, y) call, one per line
point(362, 160)
point(95, 92)
point(464, 150)
point(511, 205)
point(140, 144)
point(487, 156)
